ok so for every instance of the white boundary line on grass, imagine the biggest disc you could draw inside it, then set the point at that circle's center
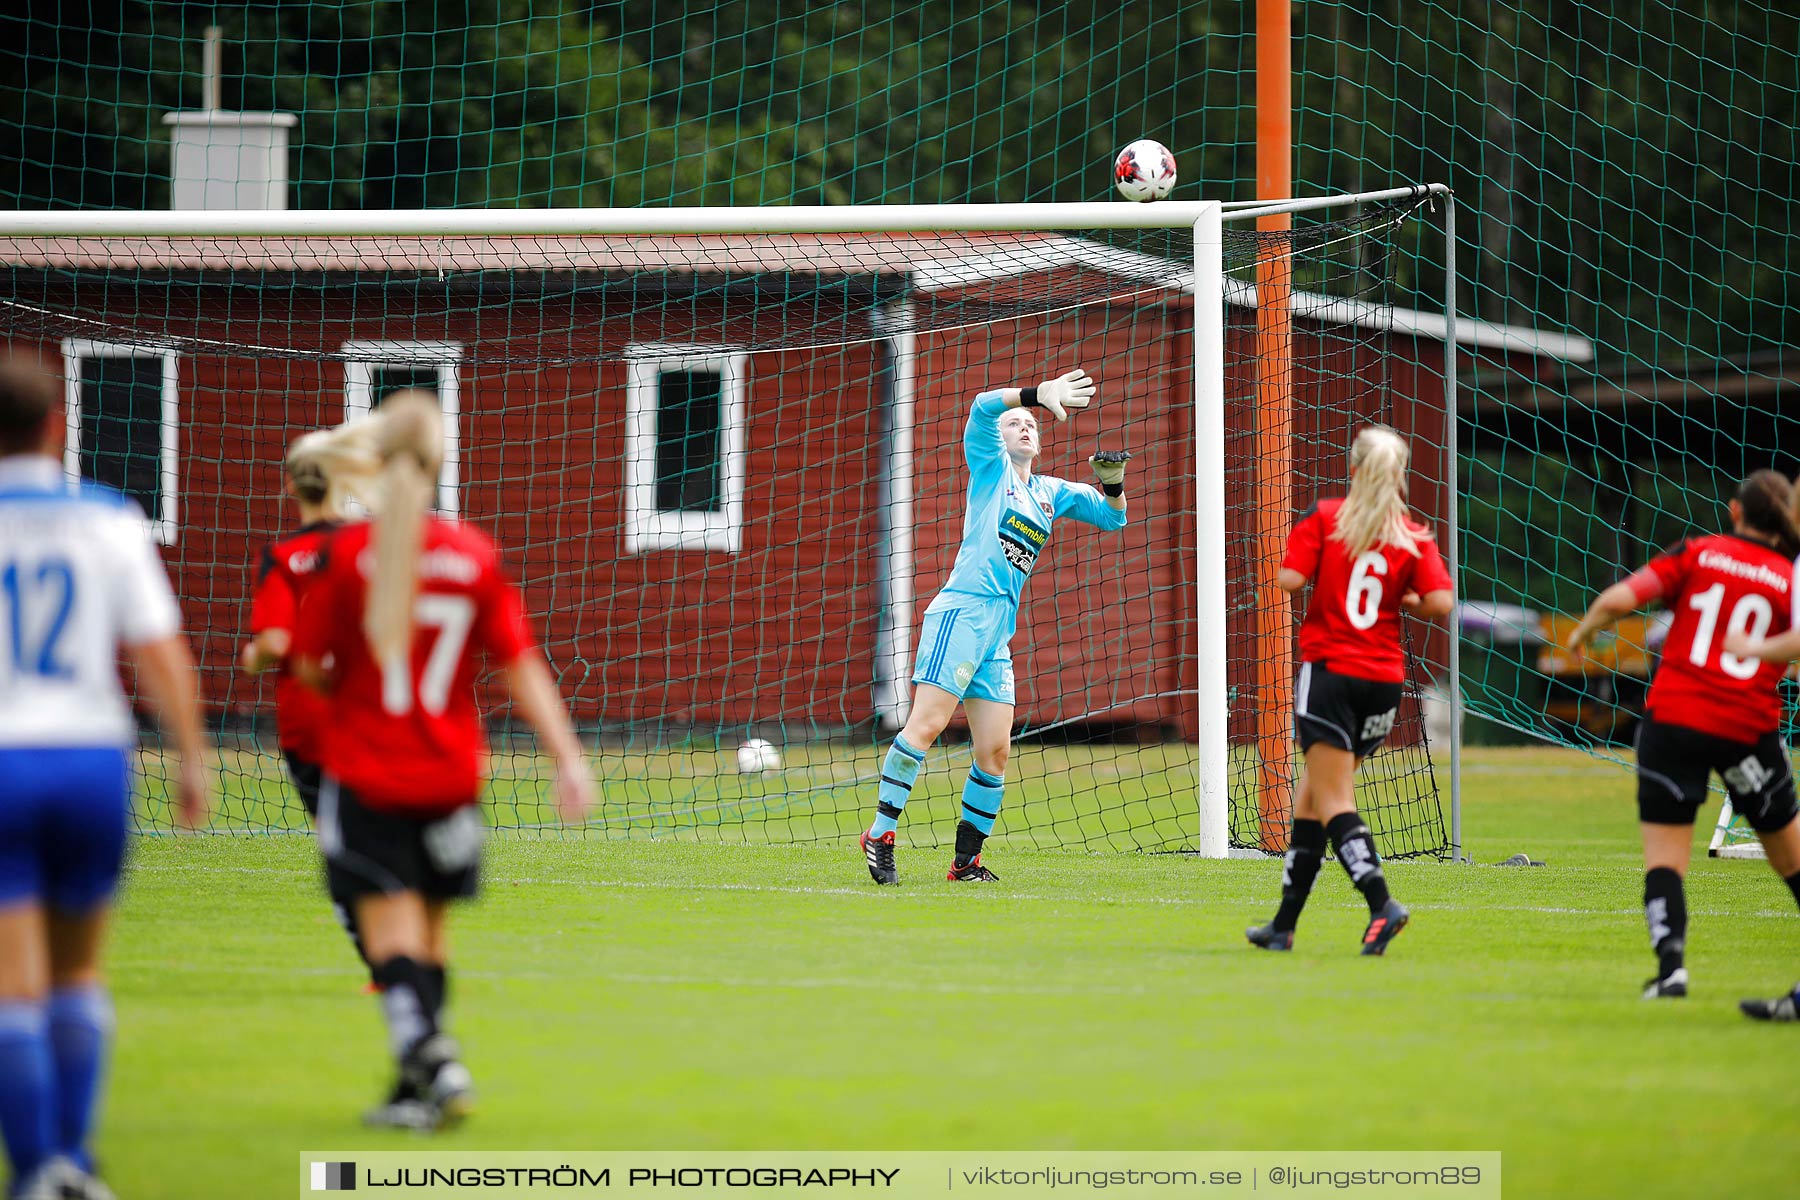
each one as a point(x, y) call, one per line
point(630, 979)
point(960, 896)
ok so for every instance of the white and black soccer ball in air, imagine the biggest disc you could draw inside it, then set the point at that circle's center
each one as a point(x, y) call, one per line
point(1144, 171)
point(756, 756)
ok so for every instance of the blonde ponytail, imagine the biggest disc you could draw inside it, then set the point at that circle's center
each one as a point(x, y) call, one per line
point(388, 462)
point(408, 441)
point(1376, 513)
point(331, 467)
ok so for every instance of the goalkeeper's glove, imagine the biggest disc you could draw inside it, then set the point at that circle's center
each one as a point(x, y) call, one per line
point(1063, 395)
point(1109, 467)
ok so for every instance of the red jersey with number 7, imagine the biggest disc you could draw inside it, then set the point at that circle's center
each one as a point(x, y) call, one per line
point(1352, 624)
point(1715, 586)
point(409, 738)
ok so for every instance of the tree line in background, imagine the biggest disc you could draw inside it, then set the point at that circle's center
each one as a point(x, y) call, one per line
point(1629, 176)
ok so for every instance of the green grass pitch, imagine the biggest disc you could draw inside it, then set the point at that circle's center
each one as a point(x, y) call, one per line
point(668, 994)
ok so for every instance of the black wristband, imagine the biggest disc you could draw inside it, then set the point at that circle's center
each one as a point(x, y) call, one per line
point(1028, 397)
point(1113, 489)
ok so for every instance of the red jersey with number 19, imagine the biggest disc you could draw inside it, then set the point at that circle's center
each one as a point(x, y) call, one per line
point(410, 739)
point(1714, 586)
point(1352, 624)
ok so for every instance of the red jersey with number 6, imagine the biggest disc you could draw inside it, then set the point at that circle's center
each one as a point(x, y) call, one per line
point(1352, 624)
point(1715, 586)
point(286, 572)
point(409, 738)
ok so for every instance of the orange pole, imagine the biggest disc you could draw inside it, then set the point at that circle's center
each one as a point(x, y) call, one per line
point(1272, 495)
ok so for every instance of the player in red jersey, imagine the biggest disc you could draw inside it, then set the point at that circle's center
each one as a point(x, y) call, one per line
point(1366, 559)
point(1709, 709)
point(391, 633)
point(288, 567)
point(1783, 846)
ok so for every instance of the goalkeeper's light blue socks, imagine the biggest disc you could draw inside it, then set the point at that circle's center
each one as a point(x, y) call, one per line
point(898, 774)
point(981, 799)
point(27, 1086)
point(81, 1026)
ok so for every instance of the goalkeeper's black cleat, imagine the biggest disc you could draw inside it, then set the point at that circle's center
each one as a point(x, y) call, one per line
point(1384, 927)
point(971, 872)
point(879, 853)
point(1268, 937)
point(1672, 986)
point(1781, 1008)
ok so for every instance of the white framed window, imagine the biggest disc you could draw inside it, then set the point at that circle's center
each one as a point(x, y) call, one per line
point(374, 370)
point(124, 417)
point(685, 444)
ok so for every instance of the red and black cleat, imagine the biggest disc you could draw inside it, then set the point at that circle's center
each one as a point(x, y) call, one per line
point(879, 853)
point(971, 872)
point(1384, 927)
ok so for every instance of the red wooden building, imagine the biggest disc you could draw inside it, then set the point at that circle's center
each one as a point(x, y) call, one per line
point(727, 469)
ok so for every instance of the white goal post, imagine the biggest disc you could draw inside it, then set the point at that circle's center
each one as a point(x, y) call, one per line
point(1205, 219)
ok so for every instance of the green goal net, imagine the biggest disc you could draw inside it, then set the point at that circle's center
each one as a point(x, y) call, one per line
point(1624, 184)
point(729, 471)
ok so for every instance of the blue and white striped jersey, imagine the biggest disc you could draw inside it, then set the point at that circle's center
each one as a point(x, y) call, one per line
point(79, 577)
point(1008, 520)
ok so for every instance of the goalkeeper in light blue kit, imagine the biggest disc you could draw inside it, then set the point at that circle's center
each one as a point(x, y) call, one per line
point(965, 654)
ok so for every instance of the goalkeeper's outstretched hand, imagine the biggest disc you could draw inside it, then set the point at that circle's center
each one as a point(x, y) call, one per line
point(1067, 393)
point(1109, 467)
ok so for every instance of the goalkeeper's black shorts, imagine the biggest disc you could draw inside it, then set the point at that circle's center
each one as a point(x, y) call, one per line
point(1675, 764)
point(1342, 710)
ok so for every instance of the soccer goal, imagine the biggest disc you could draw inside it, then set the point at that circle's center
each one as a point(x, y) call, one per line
point(721, 449)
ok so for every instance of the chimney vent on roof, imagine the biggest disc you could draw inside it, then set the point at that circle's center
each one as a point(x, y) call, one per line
point(226, 160)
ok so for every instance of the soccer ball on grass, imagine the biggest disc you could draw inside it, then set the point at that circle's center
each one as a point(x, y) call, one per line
point(756, 756)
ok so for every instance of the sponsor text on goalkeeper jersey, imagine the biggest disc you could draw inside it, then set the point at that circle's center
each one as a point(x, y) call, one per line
point(1007, 524)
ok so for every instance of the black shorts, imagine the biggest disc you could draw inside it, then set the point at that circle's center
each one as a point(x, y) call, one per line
point(1674, 763)
point(368, 851)
point(1342, 710)
point(306, 780)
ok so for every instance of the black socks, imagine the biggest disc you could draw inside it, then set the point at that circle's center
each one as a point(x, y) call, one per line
point(412, 994)
point(1355, 847)
point(1665, 911)
point(968, 843)
point(1306, 851)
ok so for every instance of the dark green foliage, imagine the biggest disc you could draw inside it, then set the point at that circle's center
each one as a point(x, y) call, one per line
point(1629, 176)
